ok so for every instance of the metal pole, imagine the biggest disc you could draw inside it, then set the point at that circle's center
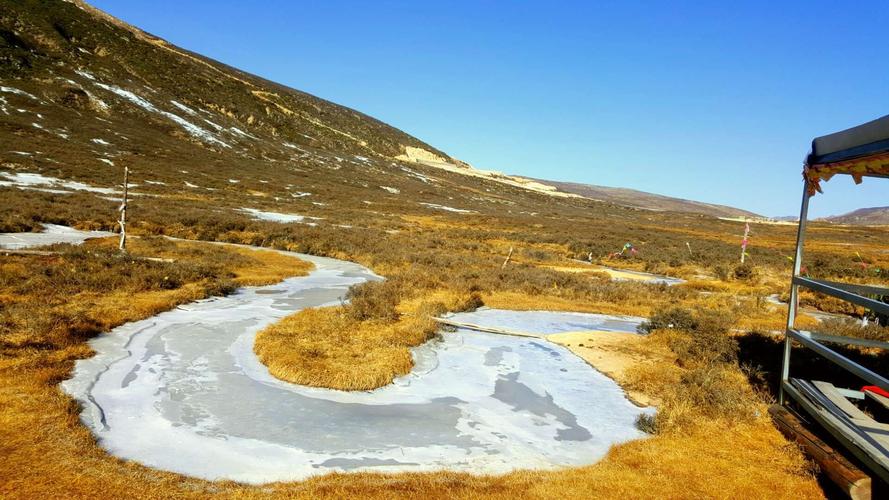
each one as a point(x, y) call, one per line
point(123, 211)
point(794, 288)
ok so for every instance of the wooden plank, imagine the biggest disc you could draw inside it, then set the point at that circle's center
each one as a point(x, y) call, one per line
point(840, 420)
point(858, 445)
point(842, 403)
point(849, 478)
point(877, 431)
point(487, 329)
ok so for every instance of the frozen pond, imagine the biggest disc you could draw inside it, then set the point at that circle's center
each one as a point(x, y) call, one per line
point(51, 234)
point(183, 391)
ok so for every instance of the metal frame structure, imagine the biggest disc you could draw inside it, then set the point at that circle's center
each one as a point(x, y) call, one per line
point(872, 453)
point(859, 152)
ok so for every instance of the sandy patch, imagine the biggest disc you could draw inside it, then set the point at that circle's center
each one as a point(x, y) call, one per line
point(611, 353)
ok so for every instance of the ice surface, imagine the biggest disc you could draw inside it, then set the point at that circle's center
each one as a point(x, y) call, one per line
point(548, 322)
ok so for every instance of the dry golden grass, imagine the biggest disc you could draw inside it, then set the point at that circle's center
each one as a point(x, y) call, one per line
point(327, 348)
point(524, 302)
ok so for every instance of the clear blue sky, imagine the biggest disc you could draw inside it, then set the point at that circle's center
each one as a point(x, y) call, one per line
point(712, 101)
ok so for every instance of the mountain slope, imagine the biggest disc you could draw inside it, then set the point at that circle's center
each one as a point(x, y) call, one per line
point(651, 201)
point(872, 216)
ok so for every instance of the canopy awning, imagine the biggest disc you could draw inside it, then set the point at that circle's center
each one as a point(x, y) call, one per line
point(859, 151)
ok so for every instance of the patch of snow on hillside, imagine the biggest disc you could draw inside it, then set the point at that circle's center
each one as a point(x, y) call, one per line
point(447, 208)
point(191, 185)
point(106, 160)
point(300, 194)
point(39, 182)
point(278, 217)
point(13, 90)
point(390, 189)
point(417, 175)
point(240, 132)
point(185, 108)
point(233, 181)
point(101, 141)
point(189, 127)
point(214, 125)
point(157, 183)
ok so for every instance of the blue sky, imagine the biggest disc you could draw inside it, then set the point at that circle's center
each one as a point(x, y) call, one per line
point(712, 101)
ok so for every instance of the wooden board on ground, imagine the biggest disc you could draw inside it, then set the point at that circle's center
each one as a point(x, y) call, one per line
point(862, 434)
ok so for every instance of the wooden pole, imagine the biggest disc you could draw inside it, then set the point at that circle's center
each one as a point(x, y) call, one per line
point(744, 241)
point(849, 478)
point(487, 329)
point(123, 211)
point(505, 262)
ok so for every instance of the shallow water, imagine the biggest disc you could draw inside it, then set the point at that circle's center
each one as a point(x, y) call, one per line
point(183, 391)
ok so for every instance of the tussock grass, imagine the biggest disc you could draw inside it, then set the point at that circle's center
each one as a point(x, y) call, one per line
point(330, 348)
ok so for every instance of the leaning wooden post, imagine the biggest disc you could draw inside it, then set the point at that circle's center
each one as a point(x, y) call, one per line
point(505, 262)
point(744, 241)
point(123, 211)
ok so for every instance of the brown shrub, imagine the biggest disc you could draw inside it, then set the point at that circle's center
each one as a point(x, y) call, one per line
point(373, 300)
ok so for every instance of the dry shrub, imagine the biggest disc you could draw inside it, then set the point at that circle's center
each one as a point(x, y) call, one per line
point(373, 300)
point(744, 272)
point(706, 381)
point(669, 318)
point(847, 327)
point(707, 341)
point(470, 303)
